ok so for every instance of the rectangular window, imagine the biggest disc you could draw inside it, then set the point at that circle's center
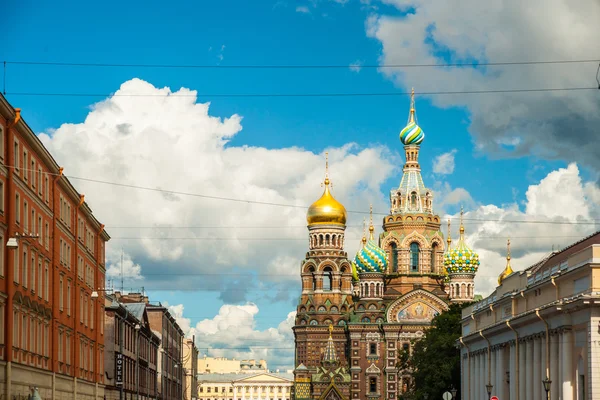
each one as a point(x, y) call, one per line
point(39, 180)
point(1, 143)
point(373, 385)
point(68, 297)
point(17, 208)
point(25, 172)
point(372, 349)
point(92, 303)
point(33, 175)
point(68, 347)
point(85, 310)
point(25, 267)
point(40, 232)
point(81, 308)
point(40, 278)
point(32, 227)
point(24, 333)
point(1, 196)
point(46, 281)
point(61, 297)
point(46, 189)
point(1, 319)
point(32, 271)
point(16, 272)
point(16, 153)
point(60, 346)
point(1, 257)
point(47, 236)
point(16, 328)
point(25, 217)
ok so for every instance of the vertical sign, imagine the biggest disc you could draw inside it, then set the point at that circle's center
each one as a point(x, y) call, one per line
point(118, 368)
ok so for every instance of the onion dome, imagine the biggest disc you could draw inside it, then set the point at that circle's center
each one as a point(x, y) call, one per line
point(461, 259)
point(371, 257)
point(326, 210)
point(508, 269)
point(412, 133)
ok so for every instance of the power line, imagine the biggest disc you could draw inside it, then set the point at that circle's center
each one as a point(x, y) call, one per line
point(298, 66)
point(281, 95)
point(224, 198)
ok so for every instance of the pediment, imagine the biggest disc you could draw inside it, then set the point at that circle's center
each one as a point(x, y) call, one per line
point(417, 306)
point(266, 378)
point(332, 393)
point(373, 369)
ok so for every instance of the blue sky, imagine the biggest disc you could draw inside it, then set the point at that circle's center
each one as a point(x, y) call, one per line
point(229, 33)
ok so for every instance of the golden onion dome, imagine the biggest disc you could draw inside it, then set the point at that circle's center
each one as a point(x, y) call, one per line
point(327, 210)
point(508, 269)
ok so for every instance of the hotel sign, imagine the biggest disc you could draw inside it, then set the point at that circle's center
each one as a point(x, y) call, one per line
point(118, 368)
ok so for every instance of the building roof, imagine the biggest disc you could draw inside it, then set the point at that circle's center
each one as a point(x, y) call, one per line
point(231, 378)
point(136, 309)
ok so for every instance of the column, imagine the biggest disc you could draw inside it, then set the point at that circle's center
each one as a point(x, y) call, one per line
point(567, 366)
point(243, 392)
point(235, 393)
point(475, 384)
point(543, 371)
point(491, 373)
point(529, 369)
point(554, 367)
point(470, 390)
point(522, 370)
point(537, 380)
point(512, 368)
point(481, 380)
point(500, 373)
point(559, 338)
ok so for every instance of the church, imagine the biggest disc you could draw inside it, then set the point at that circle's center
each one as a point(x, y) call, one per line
point(356, 315)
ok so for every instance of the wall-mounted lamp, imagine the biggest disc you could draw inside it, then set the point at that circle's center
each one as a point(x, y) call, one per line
point(13, 242)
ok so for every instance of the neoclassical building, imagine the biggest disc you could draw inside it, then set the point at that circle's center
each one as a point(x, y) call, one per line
point(356, 314)
point(240, 386)
point(540, 324)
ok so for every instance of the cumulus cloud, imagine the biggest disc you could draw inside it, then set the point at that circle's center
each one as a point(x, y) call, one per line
point(444, 163)
point(356, 66)
point(232, 333)
point(302, 10)
point(560, 198)
point(166, 140)
point(553, 125)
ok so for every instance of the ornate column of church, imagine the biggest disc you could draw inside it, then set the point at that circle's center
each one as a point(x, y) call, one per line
point(555, 365)
point(512, 364)
point(536, 367)
point(567, 365)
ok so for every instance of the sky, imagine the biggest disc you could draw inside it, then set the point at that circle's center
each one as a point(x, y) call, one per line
point(229, 270)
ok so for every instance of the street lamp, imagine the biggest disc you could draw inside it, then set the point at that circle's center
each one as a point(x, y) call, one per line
point(547, 383)
point(94, 294)
point(13, 242)
point(489, 387)
point(453, 391)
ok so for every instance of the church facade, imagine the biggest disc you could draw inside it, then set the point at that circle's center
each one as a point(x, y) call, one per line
point(356, 315)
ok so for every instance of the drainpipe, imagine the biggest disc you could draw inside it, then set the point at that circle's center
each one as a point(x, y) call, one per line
point(516, 377)
point(489, 357)
point(537, 312)
point(469, 364)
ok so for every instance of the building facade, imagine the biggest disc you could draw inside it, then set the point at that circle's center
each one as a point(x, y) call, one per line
point(190, 369)
point(264, 386)
point(222, 365)
point(131, 352)
point(355, 316)
point(51, 259)
point(540, 324)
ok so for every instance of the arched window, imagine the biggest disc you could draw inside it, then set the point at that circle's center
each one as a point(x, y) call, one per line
point(327, 322)
point(342, 322)
point(434, 249)
point(380, 320)
point(366, 320)
point(414, 257)
point(333, 309)
point(413, 200)
point(314, 322)
point(314, 282)
point(327, 279)
point(322, 309)
point(394, 257)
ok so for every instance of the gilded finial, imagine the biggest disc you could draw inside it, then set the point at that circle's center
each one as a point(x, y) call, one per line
point(449, 238)
point(326, 181)
point(371, 227)
point(508, 269)
point(330, 330)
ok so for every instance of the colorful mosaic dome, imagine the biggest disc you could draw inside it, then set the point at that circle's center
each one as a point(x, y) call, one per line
point(411, 134)
point(461, 259)
point(370, 258)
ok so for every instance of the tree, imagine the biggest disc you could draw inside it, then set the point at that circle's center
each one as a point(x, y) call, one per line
point(435, 359)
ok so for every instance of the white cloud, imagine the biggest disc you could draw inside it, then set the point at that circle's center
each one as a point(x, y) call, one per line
point(232, 333)
point(444, 163)
point(172, 142)
point(302, 10)
point(559, 197)
point(356, 66)
point(121, 264)
point(554, 125)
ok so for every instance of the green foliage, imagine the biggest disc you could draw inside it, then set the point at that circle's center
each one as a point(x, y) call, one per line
point(435, 359)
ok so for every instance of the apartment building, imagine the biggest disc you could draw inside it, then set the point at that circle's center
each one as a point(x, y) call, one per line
point(190, 369)
point(51, 259)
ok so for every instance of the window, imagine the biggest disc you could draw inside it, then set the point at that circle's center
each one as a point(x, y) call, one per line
point(40, 232)
point(394, 257)
point(46, 281)
point(16, 272)
point(61, 299)
point(18, 208)
point(32, 271)
point(68, 297)
point(32, 228)
point(24, 269)
point(33, 175)
point(372, 349)
point(25, 217)
point(16, 152)
point(414, 257)
point(373, 385)
point(1, 196)
point(366, 320)
point(47, 236)
point(313, 322)
point(1, 143)
point(1, 257)
point(24, 332)
point(413, 200)
point(25, 172)
point(327, 279)
point(40, 278)
point(92, 314)
point(46, 189)
point(39, 180)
